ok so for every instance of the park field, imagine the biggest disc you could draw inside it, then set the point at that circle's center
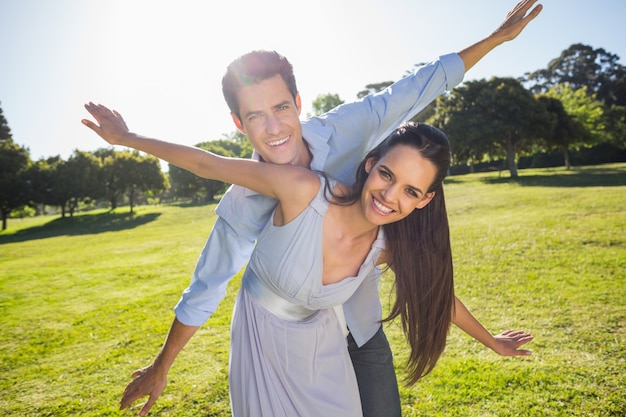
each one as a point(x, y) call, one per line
point(86, 301)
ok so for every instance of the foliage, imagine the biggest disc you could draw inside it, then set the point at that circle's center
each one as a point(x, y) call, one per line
point(14, 161)
point(564, 130)
point(78, 179)
point(235, 142)
point(130, 172)
point(615, 121)
point(21, 212)
point(325, 103)
point(140, 173)
point(584, 109)
point(188, 185)
point(45, 183)
point(495, 117)
point(184, 183)
point(599, 73)
point(583, 66)
point(578, 119)
point(237, 145)
point(86, 301)
point(5, 131)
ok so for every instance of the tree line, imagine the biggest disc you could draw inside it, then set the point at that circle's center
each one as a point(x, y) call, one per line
point(576, 103)
point(104, 175)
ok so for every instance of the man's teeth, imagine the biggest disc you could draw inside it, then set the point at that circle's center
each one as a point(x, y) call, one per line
point(278, 142)
point(382, 208)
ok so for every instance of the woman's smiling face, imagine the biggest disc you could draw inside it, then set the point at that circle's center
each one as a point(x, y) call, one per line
point(397, 184)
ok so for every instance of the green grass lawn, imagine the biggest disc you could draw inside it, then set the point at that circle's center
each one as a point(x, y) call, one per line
point(86, 301)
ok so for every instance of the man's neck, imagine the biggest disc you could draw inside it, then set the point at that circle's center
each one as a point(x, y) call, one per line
point(307, 156)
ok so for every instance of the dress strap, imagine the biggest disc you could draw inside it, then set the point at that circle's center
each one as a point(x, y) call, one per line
point(320, 202)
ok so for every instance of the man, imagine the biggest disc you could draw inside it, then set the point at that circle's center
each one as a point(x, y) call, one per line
point(267, 110)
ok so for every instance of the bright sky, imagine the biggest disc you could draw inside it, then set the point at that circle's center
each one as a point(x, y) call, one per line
point(160, 63)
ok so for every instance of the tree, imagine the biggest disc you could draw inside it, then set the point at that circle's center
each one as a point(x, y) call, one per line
point(148, 178)
point(325, 103)
point(586, 114)
point(77, 179)
point(236, 144)
point(129, 173)
point(564, 131)
point(470, 140)
point(583, 107)
point(602, 76)
point(497, 117)
point(41, 176)
point(112, 178)
point(583, 66)
point(184, 183)
point(5, 132)
point(14, 161)
point(189, 185)
point(615, 122)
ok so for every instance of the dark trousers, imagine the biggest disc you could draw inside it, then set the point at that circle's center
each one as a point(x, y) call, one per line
point(376, 376)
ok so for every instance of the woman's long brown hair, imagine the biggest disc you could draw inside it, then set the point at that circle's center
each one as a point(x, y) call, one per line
point(420, 253)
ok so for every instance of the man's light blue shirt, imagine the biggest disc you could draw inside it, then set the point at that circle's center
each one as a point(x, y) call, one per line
point(338, 141)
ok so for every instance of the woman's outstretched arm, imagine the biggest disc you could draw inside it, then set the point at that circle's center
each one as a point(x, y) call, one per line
point(506, 343)
point(283, 182)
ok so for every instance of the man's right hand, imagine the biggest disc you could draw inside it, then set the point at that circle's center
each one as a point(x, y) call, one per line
point(147, 381)
point(517, 19)
point(513, 24)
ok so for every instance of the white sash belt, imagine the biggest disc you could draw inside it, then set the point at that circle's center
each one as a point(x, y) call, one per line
point(273, 302)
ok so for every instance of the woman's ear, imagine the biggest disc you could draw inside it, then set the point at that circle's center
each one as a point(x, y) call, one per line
point(425, 200)
point(369, 164)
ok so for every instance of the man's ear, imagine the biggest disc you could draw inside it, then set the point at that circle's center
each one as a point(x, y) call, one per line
point(238, 123)
point(425, 200)
point(298, 103)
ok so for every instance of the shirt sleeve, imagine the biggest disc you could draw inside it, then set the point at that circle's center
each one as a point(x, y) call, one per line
point(405, 98)
point(359, 126)
point(223, 256)
point(242, 215)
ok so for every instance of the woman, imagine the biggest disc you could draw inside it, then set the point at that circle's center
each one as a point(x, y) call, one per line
point(288, 353)
point(298, 360)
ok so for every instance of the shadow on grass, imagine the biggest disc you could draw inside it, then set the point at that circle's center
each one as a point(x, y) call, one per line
point(588, 177)
point(81, 225)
